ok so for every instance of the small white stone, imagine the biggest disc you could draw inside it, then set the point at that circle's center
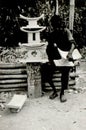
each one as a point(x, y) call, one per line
point(75, 92)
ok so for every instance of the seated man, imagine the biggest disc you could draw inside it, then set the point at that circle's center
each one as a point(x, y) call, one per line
point(60, 37)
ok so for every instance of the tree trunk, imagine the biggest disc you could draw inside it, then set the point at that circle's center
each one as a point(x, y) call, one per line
point(71, 14)
point(57, 12)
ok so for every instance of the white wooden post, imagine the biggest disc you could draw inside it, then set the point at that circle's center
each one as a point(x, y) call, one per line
point(57, 12)
point(71, 14)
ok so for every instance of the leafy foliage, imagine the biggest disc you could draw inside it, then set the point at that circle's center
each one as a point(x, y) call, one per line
point(10, 34)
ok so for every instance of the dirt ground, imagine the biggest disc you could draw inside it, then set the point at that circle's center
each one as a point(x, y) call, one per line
point(45, 114)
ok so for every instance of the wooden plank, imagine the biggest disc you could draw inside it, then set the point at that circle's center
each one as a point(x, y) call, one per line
point(58, 79)
point(58, 85)
point(71, 82)
point(56, 75)
point(12, 65)
point(18, 76)
point(12, 71)
point(13, 85)
point(12, 89)
point(57, 71)
point(12, 81)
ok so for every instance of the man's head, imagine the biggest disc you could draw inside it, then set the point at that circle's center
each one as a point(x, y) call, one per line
point(56, 21)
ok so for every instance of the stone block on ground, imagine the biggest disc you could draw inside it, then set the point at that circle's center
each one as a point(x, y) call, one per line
point(17, 102)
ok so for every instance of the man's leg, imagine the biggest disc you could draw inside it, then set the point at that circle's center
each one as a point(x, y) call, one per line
point(50, 81)
point(54, 94)
point(64, 82)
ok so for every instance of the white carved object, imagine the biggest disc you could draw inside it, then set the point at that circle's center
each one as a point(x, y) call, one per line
point(17, 102)
point(36, 48)
point(32, 29)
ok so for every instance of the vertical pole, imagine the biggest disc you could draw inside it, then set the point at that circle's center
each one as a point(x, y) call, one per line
point(71, 15)
point(57, 12)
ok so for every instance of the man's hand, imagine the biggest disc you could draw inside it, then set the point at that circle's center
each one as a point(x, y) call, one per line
point(69, 56)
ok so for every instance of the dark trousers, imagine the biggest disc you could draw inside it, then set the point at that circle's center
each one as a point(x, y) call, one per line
point(64, 78)
point(49, 70)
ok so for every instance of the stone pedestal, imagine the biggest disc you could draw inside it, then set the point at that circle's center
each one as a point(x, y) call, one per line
point(35, 56)
point(34, 79)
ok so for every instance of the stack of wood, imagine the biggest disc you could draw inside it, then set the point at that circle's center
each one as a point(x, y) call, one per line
point(13, 77)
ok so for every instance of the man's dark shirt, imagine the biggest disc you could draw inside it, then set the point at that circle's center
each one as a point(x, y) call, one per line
point(58, 39)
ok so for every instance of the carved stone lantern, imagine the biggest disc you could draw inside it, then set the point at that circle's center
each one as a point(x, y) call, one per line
point(36, 48)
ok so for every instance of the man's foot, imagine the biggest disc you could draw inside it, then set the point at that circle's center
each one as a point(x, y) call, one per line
point(53, 95)
point(63, 98)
